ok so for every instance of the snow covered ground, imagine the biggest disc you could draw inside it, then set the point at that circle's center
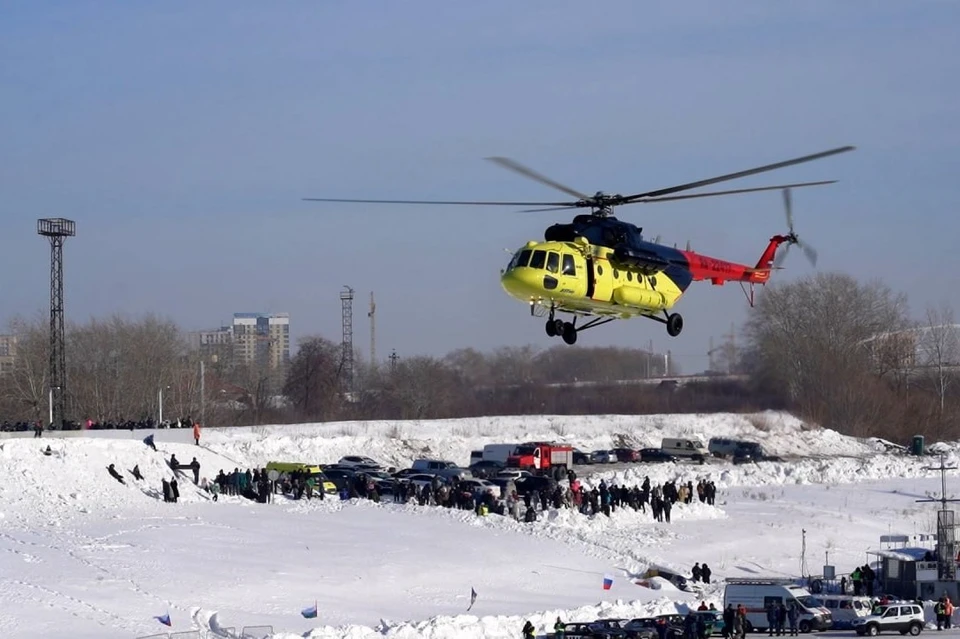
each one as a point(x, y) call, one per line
point(84, 556)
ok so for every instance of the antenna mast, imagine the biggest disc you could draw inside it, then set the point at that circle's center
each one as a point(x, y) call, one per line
point(373, 331)
point(946, 526)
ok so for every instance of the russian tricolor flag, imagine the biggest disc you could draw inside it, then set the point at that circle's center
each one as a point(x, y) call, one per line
point(164, 619)
point(309, 613)
point(607, 582)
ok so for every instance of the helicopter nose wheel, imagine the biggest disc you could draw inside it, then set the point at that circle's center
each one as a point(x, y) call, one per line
point(674, 324)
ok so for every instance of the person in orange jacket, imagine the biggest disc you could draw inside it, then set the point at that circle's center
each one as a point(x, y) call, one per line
point(196, 432)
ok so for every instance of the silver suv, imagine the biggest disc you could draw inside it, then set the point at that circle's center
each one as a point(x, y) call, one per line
point(902, 617)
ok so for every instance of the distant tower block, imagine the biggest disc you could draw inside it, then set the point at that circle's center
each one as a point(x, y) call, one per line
point(373, 331)
point(57, 230)
point(346, 354)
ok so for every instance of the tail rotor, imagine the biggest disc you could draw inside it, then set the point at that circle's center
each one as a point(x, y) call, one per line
point(792, 238)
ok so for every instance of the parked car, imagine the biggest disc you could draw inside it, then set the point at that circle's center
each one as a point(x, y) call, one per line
point(581, 458)
point(626, 454)
point(903, 617)
point(513, 473)
point(655, 455)
point(358, 461)
point(486, 468)
point(481, 486)
point(603, 457)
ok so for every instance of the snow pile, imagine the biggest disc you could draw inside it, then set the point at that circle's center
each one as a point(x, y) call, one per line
point(492, 627)
point(398, 443)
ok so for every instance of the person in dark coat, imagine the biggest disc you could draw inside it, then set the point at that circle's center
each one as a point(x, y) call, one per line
point(528, 630)
point(136, 472)
point(174, 490)
point(167, 495)
point(195, 466)
point(113, 472)
point(705, 572)
point(148, 440)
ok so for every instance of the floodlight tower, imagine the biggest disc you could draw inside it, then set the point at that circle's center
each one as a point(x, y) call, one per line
point(57, 229)
point(346, 354)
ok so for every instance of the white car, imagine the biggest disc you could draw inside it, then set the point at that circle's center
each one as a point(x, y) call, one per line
point(603, 457)
point(509, 473)
point(481, 486)
point(901, 616)
point(358, 460)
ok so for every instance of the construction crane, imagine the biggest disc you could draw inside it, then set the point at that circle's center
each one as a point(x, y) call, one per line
point(373, 331)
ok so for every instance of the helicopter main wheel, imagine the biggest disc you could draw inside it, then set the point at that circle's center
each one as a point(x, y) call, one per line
point(551, 328)
point(569, 333)
point(674, 324)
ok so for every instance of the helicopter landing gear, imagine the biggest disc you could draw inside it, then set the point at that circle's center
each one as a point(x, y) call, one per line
point(569, 333)
point(554, 327)
point(674, 324)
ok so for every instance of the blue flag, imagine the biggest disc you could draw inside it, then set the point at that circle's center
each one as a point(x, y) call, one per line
point(164, 619)
point(473, 598)
point(310, 612)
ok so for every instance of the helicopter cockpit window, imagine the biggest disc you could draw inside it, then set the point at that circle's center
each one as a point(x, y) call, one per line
point(569, 268)
point(553, 262)
point(538, 259)
point(524, 257)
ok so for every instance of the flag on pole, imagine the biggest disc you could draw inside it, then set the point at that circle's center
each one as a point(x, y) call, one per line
point(607, 582)
point(473, 598)
point(164, 619)
point(311, 612)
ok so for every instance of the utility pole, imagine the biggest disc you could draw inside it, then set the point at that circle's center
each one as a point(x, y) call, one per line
point(373, 331)
point(203, 393)
point(57, 230)
point(393, 361)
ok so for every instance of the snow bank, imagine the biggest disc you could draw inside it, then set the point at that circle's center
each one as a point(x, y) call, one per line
point(398, 443)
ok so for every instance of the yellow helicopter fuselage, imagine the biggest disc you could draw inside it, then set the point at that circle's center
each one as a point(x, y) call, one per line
point(580, 278)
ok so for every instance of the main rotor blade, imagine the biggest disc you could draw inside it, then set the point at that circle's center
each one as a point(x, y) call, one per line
point(740, 174)
point(478, 203)
point(552, 208)
point(671, 198)
point(507, 163)
point(788, 207)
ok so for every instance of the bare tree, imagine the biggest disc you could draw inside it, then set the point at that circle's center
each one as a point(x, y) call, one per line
point(810, 338)
point(312, 384)
point(938, 348)
point(26, 386)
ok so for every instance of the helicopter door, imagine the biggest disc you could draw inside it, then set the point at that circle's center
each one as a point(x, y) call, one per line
point(590, 277)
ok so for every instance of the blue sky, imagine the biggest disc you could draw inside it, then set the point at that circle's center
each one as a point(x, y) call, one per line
point(182, 136)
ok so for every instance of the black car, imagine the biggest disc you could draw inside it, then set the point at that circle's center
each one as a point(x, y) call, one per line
point(655, 455)
point(535, 483)
point(582, 630)
point(486, 468)
point(581, 458)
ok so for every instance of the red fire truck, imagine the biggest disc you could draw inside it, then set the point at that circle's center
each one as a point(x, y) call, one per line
point(542, 458)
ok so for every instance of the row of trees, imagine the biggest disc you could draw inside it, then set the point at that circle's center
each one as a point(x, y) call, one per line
point(847, 355)
point(842, 353)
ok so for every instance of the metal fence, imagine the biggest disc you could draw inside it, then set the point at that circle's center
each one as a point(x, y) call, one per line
point(257, 632)
point(190, 634)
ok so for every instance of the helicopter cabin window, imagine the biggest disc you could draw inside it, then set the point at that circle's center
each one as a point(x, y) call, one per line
point(629, 276)
point(616, 274)
point(553, 262)
point(569, 268)
point(538, 259)
point(524, 257)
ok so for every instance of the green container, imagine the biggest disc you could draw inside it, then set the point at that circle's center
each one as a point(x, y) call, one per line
point(916, 447)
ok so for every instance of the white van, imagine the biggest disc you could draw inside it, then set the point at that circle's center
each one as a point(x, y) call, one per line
point(498, 452)
point(757, 594)
point(689, 448)
point(431, 465)
point(845, 609)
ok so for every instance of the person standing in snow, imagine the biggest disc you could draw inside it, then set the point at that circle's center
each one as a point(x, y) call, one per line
point(195, 467)
point(148, 440)
point(696, 572)
point(528, 630)
point(559, 628)
point(196, 433)
point(705, 573)
point(174, 490)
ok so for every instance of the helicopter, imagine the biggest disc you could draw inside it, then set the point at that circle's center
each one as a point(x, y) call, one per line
point(599, 269)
